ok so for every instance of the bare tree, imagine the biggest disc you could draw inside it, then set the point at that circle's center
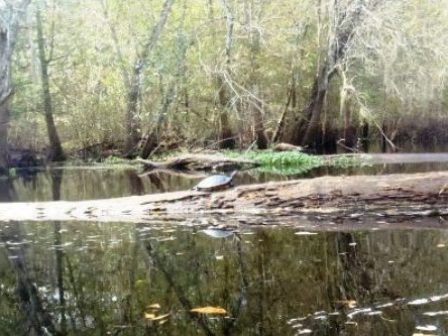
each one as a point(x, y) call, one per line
point(134, 78)
point(255, 103)
point(152, 136)
point(11, 14)
point(345, 17)
point(226, 136)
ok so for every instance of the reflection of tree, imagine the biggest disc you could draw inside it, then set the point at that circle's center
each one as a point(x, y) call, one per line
point(356, 282)
point(37, 320)
point(7, 192)
point(135, 183)
point(78, 294)
point(188, 280)
point(56, 181)
point(238, 304)
point(157, 182)
point(162, 264)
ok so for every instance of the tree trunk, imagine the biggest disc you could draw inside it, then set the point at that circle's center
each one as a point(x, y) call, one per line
point(5, 93)
point(349, 129)
point(8, 34)
point(290, 100)
point(136, 81)
point(257, 108)
point(153, 135)
point(346, 18)
point(255, 104)
point(56, 153)
point(306, 130)
point(4, 123)
point(132, 117)
point(226, 138)
point(365, 142)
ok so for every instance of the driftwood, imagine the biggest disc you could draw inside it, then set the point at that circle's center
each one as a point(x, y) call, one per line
point(199, 162)
point(286, 147)
point(331, 197)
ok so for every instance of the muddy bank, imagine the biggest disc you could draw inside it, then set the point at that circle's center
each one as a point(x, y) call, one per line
point(423, 194)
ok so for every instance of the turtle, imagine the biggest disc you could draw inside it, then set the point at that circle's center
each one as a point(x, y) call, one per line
point(216, 182)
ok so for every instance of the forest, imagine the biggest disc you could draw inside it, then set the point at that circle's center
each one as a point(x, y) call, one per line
point(161, 169)
point(133, 78)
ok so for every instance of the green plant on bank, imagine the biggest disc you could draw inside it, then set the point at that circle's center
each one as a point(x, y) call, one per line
point(294, 163)
point(285, 163)
point(345, 161)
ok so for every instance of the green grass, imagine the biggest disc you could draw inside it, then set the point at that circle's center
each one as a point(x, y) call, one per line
point(345, 161)
point(292, 162)
point(286, 163)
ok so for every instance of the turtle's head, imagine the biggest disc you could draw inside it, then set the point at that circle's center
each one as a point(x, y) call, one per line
point(233, 174)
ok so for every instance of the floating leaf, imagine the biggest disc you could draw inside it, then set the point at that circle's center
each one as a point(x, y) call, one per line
point(153, 317)
point(305, 233)
point(209, 310)
point(150, 316)
point(426, 327)
point(347, 303)
point(154, 306)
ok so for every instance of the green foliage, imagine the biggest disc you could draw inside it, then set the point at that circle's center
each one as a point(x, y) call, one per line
point(345, 161)
point(285, 163)
point(293, 162)
point(93, 48)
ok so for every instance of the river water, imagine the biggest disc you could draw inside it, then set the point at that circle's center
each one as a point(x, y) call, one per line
point(76, 278)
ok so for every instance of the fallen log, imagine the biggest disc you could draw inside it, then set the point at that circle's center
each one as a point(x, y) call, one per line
point(198, 162)
point(286, 147)
point(422, 194)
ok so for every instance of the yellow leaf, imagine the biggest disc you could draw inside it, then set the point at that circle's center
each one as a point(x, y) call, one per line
point(154, 306)
point(153, 317)
point(209, 310)
point(149, 316)
point(348, 303)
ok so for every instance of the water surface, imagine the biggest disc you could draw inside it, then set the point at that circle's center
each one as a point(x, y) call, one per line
point(370, 277)
point(80, 183)
point(101, 279)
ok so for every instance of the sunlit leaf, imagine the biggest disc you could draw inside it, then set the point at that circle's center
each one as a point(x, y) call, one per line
point(305, 233)
point(347, 303)
point(153, 317)
point(209, 310)
point(426, 327)
point(153, 306)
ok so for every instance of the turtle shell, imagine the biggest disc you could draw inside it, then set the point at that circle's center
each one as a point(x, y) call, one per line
point(218, 233)
point(215, 182)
